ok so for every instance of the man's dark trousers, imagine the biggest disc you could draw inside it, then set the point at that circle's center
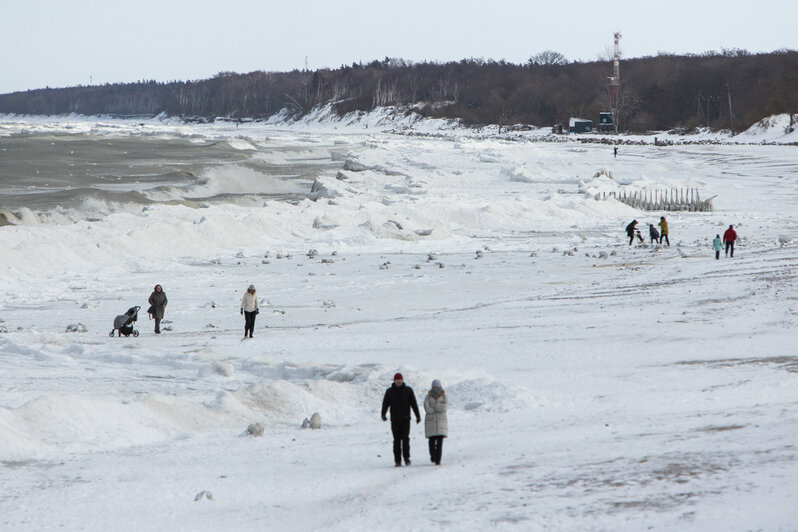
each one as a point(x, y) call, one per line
point(401, 439)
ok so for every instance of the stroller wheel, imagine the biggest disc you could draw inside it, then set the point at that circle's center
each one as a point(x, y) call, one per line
point(135, 333)
point(111, 334)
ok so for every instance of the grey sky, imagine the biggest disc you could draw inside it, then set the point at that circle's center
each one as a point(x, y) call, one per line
point(63, 43)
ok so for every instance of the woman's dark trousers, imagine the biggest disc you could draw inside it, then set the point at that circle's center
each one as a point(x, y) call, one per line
point(436, 449)
point(249, 322)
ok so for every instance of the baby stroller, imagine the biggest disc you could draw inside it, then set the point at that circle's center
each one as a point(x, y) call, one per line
point(124, 323)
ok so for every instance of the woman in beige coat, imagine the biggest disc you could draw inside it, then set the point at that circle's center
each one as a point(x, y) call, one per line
point(249, 309)
point(436, 423)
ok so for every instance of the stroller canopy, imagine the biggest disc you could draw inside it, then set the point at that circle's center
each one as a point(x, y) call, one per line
point(127, 318)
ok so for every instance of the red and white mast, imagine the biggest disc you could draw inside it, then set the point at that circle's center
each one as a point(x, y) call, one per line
point(615, 80)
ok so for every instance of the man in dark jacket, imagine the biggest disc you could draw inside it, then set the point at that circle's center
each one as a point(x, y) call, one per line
point(400, 399)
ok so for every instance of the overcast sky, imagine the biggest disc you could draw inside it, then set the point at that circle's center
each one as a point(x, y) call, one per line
point(60, 43)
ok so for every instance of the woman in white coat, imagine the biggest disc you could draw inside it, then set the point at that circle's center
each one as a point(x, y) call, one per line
point(249, 309)
point(436, 423)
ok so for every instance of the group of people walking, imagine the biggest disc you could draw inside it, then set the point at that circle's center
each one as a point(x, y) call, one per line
point(249, 308)
point(401, 400)
point(729, 237)
point(656, 236)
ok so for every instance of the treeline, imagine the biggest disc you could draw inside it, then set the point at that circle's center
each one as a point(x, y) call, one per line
point(661, 92)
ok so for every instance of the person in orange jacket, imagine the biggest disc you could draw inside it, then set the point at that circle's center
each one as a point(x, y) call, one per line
point(663, 230)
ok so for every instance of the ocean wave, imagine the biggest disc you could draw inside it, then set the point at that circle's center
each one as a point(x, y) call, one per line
point(230, 180)
point(68, 206)
point(230, 183)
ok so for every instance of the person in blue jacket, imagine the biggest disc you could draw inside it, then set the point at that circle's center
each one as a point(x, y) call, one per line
point(718, 245)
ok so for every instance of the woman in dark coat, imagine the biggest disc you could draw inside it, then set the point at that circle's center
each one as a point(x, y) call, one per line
point(157, 303)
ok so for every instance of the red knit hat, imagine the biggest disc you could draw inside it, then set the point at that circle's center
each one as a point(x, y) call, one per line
point(398, 376)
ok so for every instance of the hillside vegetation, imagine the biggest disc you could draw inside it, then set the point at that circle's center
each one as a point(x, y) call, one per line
point(661, 92)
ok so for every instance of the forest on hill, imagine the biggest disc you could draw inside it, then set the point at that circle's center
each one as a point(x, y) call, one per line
point(722, 90)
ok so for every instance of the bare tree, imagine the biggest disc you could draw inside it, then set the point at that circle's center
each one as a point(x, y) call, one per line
point(628, 104)
point(606, 55)
point(547, 57)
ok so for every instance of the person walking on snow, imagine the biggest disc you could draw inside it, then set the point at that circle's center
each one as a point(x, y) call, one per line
point(630, 231)
point(717, 245)
point(653, 233)
point(400, 399)
point(729, 237)
point(249, 309)
point(663, 229)
point(436, 422)
point(157, 303)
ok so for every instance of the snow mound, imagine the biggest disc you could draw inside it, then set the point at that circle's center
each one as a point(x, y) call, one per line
point(486, 395)
point(775, 128)
point(225, 369)
point(54, 424)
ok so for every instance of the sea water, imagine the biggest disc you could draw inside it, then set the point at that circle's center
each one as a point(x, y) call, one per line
point(87, 175)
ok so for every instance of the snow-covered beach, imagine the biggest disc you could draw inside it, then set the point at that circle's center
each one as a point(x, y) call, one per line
point(593, 385)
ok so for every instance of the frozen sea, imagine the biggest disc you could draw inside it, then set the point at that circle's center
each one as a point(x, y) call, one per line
point(593, 385)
